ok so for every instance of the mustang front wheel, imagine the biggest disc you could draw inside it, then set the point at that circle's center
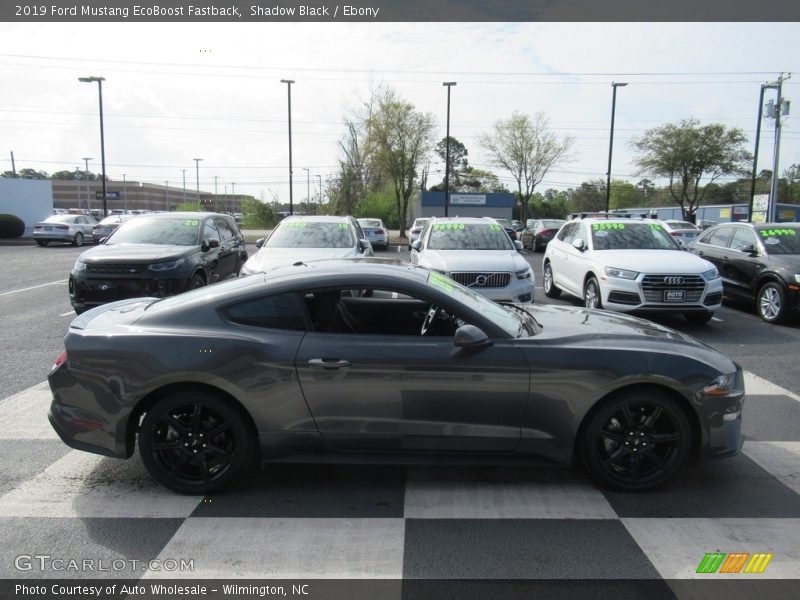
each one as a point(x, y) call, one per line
point(637, 440)
point(194, 443)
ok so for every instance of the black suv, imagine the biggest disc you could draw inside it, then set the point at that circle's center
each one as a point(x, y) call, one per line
point(158, 255)
point(758, 262)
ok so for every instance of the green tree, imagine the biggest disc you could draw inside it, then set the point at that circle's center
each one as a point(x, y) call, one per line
point(401, 139)
point(26, 174)
point(792, 175)
point(527, 149)
point(590, 196)
point(624, 195)
point(459, 164)
point(257, 214)
point(687, 153)
point(379, 204)
point(189, 207)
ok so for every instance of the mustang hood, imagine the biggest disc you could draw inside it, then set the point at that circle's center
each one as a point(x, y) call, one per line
point(655, 261)
point(269, 258)
point(483, 260)
point(136, 253)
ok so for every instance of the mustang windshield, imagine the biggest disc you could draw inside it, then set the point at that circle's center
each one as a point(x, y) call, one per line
point(631, 236)
point(311, 234)
point(498, 315)
point(143, 230)
point(469, 236)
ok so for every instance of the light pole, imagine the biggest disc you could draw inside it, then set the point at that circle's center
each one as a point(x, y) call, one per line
point(233, 193)
point(448, 85)
point(86, 179)
point(100, 81)
point(308, 186)
point(216, 200)
point(755, 154)
point(614, 87)
point(781, 106)
point(320, 191)
point(124, 194)
point(184, 185)
point(197, 168)
point(166, 196)
point(289, 83)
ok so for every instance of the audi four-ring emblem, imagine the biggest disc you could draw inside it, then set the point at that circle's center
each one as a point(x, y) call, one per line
point(673, 280)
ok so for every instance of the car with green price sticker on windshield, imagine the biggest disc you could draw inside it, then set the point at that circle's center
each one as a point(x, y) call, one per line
point(630, 265)
point(477, 253)
point(158, 255)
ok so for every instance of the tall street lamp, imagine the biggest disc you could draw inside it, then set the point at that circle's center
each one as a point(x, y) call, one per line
point(308, 186)
point(320, 190)
point(100, 81)
point(184, 185)
point(86, 179)
point(289, 83)
point(197, 169)
point(614, 87)
point(448, 85)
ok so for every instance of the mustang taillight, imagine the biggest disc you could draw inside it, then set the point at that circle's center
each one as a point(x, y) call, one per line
point(60, 360)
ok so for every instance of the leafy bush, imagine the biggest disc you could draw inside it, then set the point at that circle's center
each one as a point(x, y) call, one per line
point(257, 215)
point(379, 204)
point(11, 227)
point(189, 207)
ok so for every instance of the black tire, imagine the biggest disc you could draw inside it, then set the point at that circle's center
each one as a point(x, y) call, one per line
point(197, 281)
point(42, 242)
point(636, 440)
point(771, 302)
point(78, 239)
point(698, 317)
point(550, 288)
point(591, 294)
point(195, 443)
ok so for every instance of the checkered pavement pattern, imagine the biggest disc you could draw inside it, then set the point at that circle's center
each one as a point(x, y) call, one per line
point(401, 522)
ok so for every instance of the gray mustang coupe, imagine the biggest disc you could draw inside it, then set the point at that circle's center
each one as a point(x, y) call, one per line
point(349, 359)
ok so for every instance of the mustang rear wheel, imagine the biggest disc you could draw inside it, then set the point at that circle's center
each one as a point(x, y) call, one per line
point(637, 440)
point(194, 443)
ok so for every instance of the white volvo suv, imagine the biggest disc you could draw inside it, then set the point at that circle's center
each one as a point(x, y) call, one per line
point(477, 253)
point(630, 265)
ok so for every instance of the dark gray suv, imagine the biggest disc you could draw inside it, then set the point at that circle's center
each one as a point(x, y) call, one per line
point(756, 261)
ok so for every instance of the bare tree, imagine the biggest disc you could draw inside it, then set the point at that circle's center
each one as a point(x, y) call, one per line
point(401, 140)
point(526, 149)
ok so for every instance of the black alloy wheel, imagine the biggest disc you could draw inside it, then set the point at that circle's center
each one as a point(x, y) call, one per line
point(550, 289)
point(194, 443)
point(771, 302)
point(637, 440)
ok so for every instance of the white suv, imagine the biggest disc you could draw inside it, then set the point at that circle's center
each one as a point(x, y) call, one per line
point(630, 265)
point(477, 253)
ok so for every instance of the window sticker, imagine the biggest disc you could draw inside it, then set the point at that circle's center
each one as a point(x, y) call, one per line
point(191, 223)
point(602, 226)
point(773, 241)
point(655, 227)
point(296, 225)
point(443, 226)
point(342, 225)
point(495, 227)
point(777, 232)
point(601, 234)
point(440, 281)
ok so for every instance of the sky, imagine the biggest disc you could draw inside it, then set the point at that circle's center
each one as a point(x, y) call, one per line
point(178, 91)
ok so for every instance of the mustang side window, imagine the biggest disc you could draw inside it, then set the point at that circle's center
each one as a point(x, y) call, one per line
point(282, 311)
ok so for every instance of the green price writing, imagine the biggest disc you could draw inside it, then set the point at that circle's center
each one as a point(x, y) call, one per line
point(602, 226)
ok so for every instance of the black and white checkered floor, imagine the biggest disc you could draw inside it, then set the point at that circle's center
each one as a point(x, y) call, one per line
point(333, 522)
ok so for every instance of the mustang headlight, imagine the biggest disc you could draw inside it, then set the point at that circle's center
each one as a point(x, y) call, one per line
point(526, 274)
point(167, 266)
point(710, 275)
point(621, 273)
point(720, 386)
point(79, 266)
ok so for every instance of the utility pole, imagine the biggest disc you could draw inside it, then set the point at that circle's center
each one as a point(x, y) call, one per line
point(184, 185)
point(289, 83)
point(755, 154)
point(216, 202)
point(781, 106)
point(197, 167)
point(448, 85)
point(320, 190)
point(614, 87)
point(166, 196)
point(13, 165)
point(124, 194)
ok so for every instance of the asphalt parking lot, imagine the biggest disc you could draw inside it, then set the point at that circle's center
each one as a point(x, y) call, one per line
point(390, 522)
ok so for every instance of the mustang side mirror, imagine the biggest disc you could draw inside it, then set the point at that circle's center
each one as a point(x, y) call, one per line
point(260, 242)
point(469, 336)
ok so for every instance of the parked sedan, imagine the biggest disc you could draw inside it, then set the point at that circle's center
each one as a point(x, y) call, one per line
point(107, 226)
point(290, 365)
point(539, 233)
point(71, 229)
point(376, 232)
point(304, 238)
point(157, 255)
point(683, 231)
point(415, 230)
point(476, 253)
point(757, 262)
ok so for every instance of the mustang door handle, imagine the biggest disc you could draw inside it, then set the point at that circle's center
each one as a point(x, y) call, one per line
point(328, 363)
